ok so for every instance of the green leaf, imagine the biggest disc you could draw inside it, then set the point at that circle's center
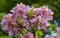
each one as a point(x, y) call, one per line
point(39, 33)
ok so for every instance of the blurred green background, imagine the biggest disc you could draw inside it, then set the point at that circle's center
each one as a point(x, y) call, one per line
point(7, 5)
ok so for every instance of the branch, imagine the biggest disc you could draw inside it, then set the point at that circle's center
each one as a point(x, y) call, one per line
point(23, 27)
point(33, 33)
point(31, 27)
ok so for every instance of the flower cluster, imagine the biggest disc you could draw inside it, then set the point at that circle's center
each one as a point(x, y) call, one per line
point(9, 25)
point(26, 17)
point(28, 35)
point(43, 14)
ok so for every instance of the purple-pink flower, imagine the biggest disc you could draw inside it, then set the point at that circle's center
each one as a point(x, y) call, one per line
point(28, 35)
point(10, 26)
point(26, 17)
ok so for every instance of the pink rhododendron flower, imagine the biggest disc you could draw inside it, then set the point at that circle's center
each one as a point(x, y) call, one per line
point(28, 35)
point(8, 26)
point(26, 17)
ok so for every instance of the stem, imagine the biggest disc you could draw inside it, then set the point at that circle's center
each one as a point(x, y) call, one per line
point(31, 27)
point(34, 33)
point(23, 27)
point(28, 30)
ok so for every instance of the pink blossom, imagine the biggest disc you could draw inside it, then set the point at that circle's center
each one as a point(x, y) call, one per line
point(24, 16)
point(8, 25)
point(28, 35)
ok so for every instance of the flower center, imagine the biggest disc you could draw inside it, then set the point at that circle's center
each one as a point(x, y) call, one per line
point(41, 21)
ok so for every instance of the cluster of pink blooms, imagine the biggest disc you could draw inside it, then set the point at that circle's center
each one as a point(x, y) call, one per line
point(25, 16)
point(9, 25)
